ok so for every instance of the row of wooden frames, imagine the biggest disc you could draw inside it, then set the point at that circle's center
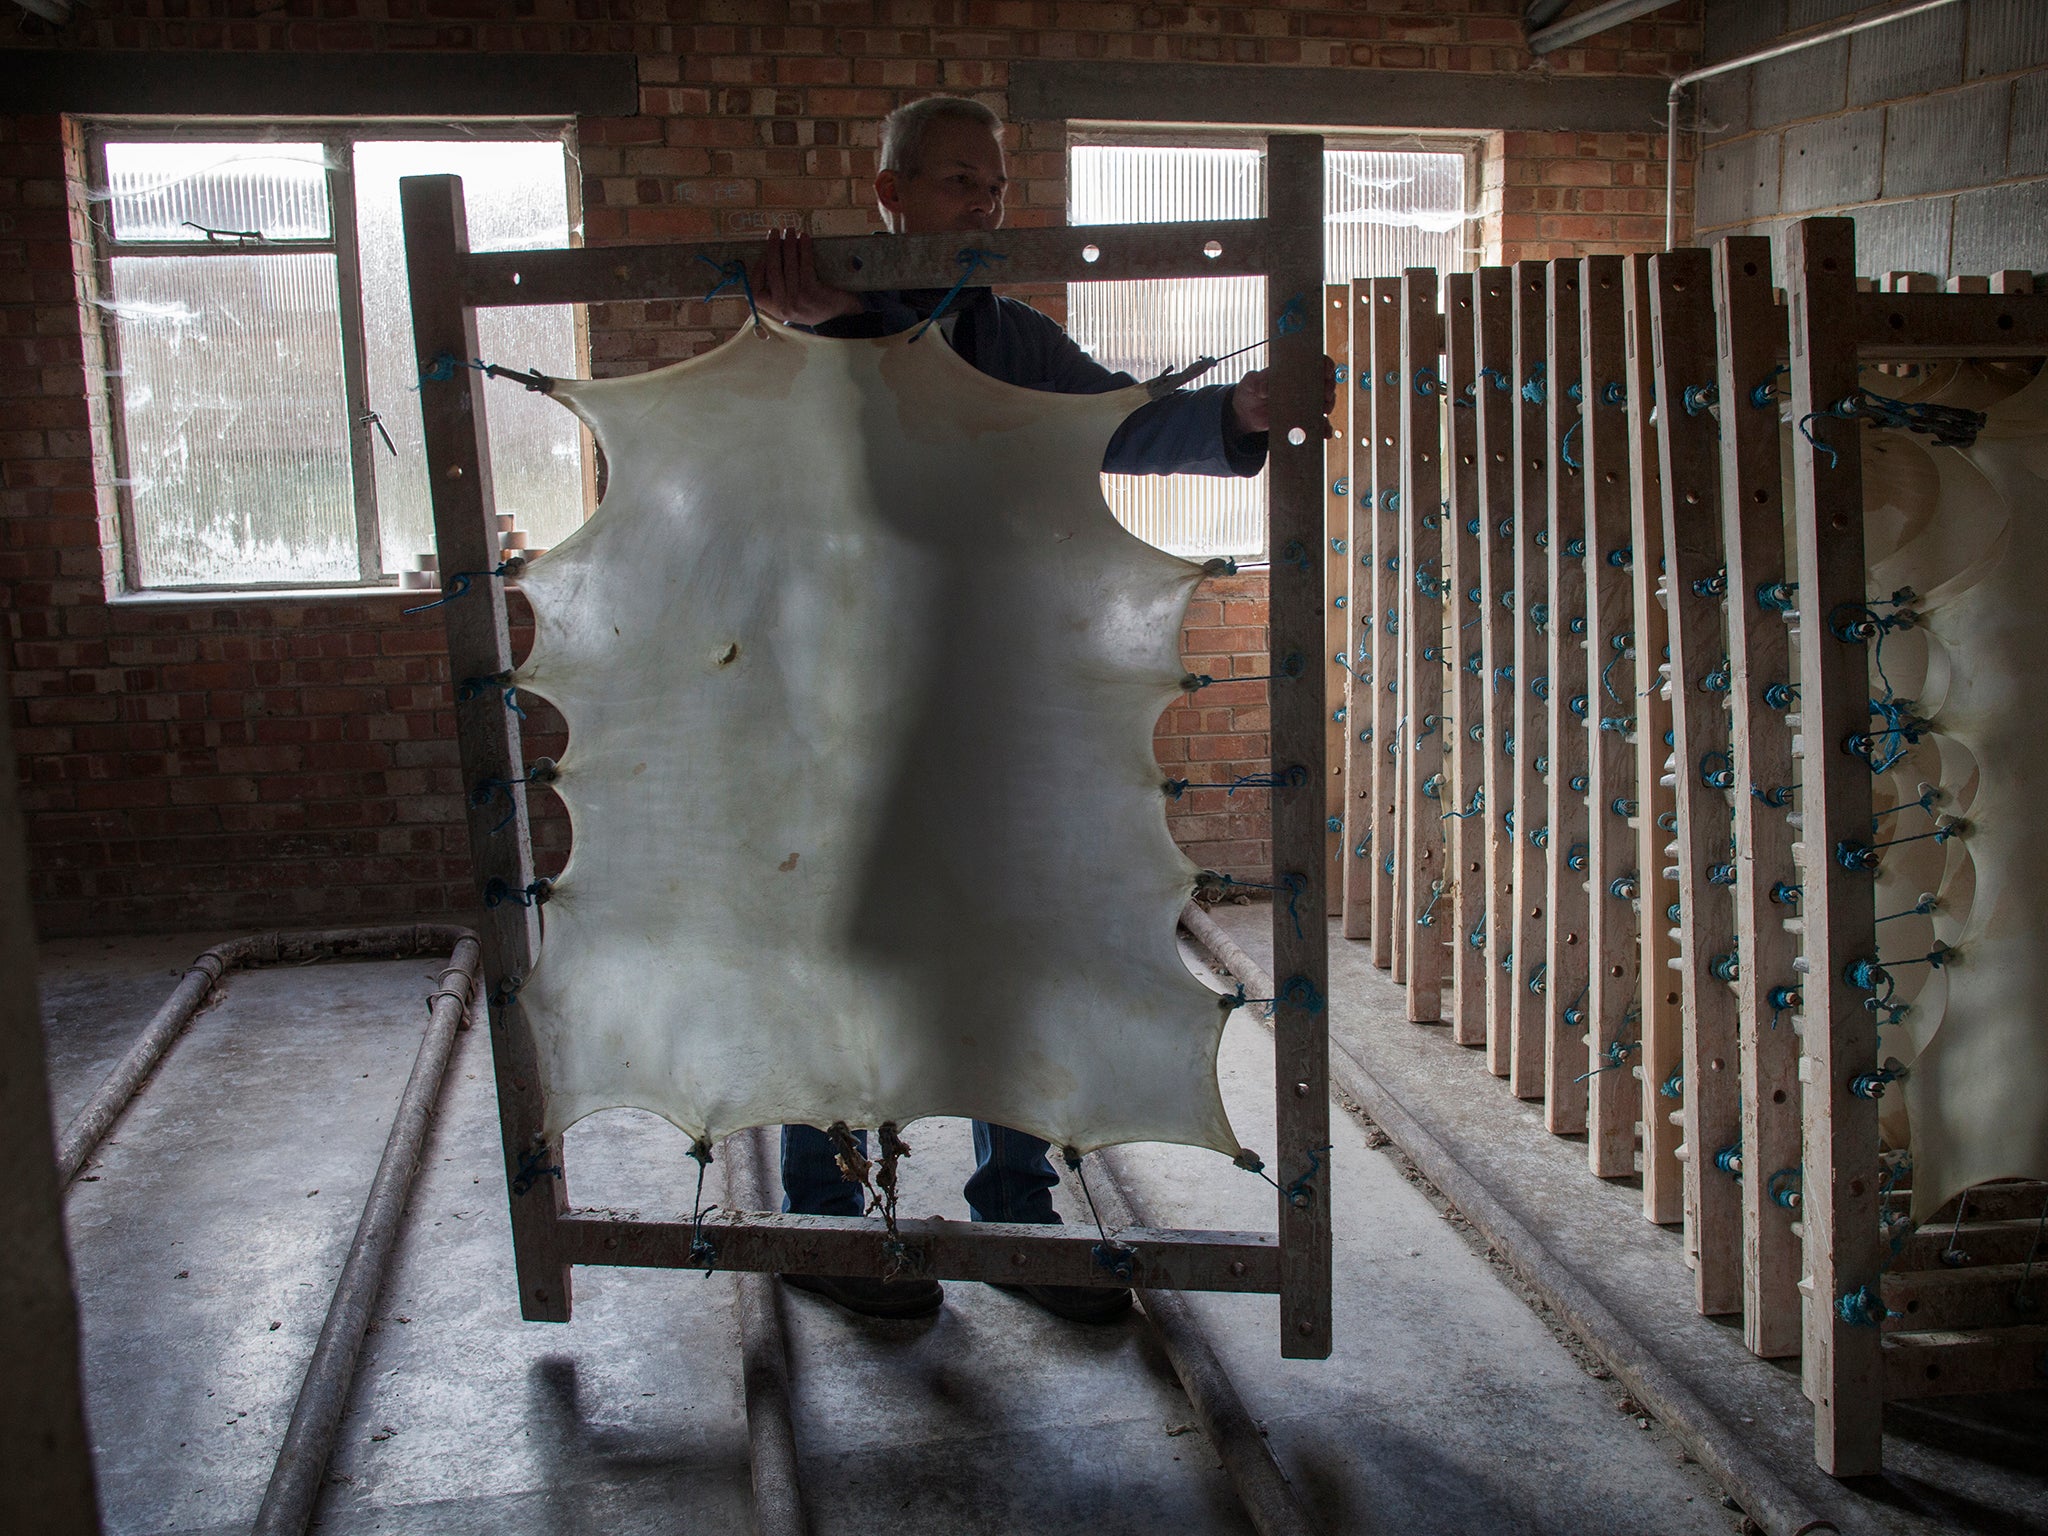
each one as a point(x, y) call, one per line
point(1512, 802)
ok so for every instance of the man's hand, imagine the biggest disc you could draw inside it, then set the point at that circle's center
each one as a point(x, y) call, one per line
point(1250, 411)
point(786, 283)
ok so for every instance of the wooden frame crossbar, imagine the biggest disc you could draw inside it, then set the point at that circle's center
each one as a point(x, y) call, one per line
point(449, 284)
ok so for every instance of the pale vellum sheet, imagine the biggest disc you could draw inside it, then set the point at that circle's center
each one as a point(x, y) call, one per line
point(1967, 530)
point(860, 677)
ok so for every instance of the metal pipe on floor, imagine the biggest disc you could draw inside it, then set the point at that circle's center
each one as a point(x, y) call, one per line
point(1753, 1485)
point(1243, 1449)
point(323, 1395)
point(764, 1356)
point(90, 1125)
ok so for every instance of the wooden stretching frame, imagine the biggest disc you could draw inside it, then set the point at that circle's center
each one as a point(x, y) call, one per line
point(1337, 648)
point(1528, 734)
point(1388, 949)
point(1494, 393)
point(1608, 678)
point(1424, 902)
point(449, 284)
point(1662, 1050)
point(1463, 811)
point(1750, 331)
point(1642, 688)
point(1566, 699)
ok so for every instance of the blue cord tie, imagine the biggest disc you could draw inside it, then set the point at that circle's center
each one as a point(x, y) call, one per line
point(459, 584)
point(1564, 448)
point(1767, 392)
point(533, 1167)
point(1616, 1055)
point(1862, 1308)
point(476, 687)
point(1698, 397)
point(735, 272)
point(535, 894)
point(1533, 390)
point(972, 260)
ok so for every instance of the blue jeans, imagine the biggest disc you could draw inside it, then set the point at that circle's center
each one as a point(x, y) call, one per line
point(1012, 1179)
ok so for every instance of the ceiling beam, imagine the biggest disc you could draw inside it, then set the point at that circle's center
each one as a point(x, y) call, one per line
point(219, 84)
point(1283, 96)
point(1575, 29)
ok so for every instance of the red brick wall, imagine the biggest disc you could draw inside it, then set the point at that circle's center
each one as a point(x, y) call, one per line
point(1218, 733)
point(242, 762)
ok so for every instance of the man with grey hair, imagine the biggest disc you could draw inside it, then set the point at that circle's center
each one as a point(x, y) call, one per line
point(942, 168)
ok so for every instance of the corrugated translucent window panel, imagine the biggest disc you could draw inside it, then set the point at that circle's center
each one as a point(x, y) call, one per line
point(234, 424)
point(1386, 211)
point(1143, 327)
point(516, 195)
point(165, 192)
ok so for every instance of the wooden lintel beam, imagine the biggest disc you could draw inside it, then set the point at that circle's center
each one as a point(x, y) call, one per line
point(1006, 1252)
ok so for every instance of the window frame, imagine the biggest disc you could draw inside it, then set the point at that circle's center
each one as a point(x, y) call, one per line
point(337, 137)
point(1470, 149)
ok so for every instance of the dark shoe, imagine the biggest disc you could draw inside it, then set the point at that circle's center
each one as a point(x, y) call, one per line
point(913, 1296)
point(1077, 1303)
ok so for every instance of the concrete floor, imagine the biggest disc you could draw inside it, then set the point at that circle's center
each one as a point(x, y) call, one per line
point(219, 1212)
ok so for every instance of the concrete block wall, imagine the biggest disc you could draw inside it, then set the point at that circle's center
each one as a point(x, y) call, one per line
point(1932, 132)
point(237, 763)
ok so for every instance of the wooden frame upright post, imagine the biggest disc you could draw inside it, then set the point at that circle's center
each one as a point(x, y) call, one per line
point(1656, 823)
point(1529, 736)
point(1464, 799)
point(1494, 443)
point(1844, 1259)
point(1567, 964)
point(1751, 333)
point(1388, 952)
point(1696, 578)
point(1301, 1017)
point(1614, 994)
point(1425, 882)
point(487, 733)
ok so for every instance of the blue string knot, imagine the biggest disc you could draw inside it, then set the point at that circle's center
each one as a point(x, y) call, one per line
point(973, 260)
point(731, 273)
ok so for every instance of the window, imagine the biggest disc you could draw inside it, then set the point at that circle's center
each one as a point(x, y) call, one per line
point(1386, 210)
point(261, 369)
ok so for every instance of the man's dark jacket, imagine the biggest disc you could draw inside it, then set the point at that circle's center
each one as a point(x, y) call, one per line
point(1186, 432)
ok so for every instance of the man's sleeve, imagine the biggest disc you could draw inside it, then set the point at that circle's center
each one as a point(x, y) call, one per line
point(1184, 433)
